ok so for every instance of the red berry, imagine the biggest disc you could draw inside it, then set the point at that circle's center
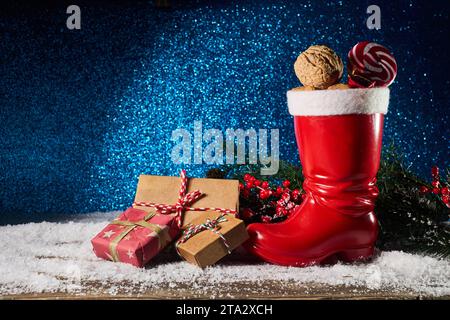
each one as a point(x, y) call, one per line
point(257, 183)
point(249, 184)
point(245, 193)
point(264, 185)
point(281, 211)
point(266, 219)
point(436, 190)
point(247, 177)
point(286, 196)
point(435, 183)
point(279, 191)
point(241, 186)
point(423, 189)
point(295, 193)
point(445, 199)
point(286, 183)
point(434, 171)
point(444, 191)
point(264, 194)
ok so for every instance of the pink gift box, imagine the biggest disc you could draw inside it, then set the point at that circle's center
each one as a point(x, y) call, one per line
point(135, 237)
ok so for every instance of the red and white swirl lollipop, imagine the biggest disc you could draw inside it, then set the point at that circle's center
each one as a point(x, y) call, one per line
point(370, 65)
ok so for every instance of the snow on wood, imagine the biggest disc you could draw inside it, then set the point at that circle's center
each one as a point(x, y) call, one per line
point(49, 257)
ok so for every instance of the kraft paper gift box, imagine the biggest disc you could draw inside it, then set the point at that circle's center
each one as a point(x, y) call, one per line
point(206, 247)
point(135, 237)
point(218, 193)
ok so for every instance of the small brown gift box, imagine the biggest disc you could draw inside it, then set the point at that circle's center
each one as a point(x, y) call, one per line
point(206, 247)
point(218, 193)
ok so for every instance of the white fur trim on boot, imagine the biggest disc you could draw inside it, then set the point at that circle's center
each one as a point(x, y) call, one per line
point(334, 102)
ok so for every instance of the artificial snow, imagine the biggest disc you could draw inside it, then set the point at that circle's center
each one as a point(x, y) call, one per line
point(50, 257)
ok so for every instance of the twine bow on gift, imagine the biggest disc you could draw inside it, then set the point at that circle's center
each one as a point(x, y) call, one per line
point(212, 225)
point(183, 203)
point(162, 236)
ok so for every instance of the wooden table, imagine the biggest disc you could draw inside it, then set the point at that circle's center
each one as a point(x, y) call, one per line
point(262, 290)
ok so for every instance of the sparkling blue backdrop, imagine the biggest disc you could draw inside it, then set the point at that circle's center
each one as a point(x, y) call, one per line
point(84, 112)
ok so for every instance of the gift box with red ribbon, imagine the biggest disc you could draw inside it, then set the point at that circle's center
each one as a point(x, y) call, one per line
point(135, 237)
point(187, 199)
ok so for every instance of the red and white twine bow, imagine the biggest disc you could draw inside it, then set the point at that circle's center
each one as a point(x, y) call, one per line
point(183, 203)
point(212, 225)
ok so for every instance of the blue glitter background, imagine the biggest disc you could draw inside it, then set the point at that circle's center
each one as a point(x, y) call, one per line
point(84, 112)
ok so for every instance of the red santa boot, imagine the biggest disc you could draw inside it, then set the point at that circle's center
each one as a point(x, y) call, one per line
point(339, 137)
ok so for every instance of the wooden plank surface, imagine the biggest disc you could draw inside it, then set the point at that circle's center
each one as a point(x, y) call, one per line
point(261, 290)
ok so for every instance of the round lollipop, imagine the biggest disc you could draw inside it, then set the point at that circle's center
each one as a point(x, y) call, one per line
point(370, 65)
